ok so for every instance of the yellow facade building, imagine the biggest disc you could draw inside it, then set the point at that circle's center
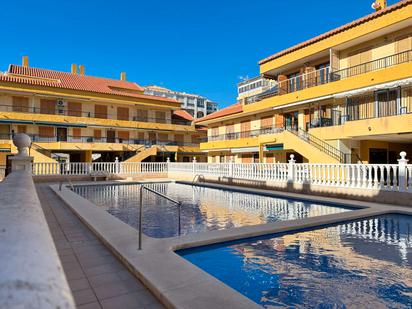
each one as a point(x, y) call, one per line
point(80, 118)
point(343, 96)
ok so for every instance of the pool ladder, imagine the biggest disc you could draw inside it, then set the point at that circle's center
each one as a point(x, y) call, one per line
point(199, 177)
point(69, 181)
point(179, 206)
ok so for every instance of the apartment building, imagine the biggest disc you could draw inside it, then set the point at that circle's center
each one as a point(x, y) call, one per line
point(251, 90)
point(78, 117)
point(196, 105)
point(342, 96)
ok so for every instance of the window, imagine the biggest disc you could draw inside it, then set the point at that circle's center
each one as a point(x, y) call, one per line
point(294, 82)
point(74, 109)
point(20, 104)
point(387, 102)
point(122, 113)
point(100, 111)
point(323, 73)
point(47, 106)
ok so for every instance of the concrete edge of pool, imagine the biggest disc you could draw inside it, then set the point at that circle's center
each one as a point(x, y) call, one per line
point(176, 282)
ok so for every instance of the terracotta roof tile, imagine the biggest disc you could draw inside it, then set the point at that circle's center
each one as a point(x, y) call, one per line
point(230, 110)
point(338, 30)
point(64, 80)
point(183, 114)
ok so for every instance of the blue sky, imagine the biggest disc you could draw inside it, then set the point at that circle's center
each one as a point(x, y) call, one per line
point(198, 46)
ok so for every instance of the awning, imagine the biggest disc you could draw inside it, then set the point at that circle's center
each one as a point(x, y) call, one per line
point(398, 83)
point(245, 149)
point(273, 147)
point(8, 121)
point(60, 124)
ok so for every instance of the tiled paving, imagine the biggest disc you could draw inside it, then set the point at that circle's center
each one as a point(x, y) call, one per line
point(96, 278)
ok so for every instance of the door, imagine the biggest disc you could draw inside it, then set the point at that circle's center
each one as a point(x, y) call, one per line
point(122, 113)
point(387, 103)
point(152, 138)
point(291, 121)
point(61, 134)
point(111, 136)
point(245, 129)
point(100, 111)
point(47, 107)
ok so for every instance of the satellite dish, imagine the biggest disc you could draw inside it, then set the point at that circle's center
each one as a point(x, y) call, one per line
point(376, 5)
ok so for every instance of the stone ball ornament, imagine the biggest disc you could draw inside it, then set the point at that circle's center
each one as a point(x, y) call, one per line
point(22, 141)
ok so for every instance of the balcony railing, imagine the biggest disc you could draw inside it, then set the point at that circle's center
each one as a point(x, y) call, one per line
point(245, 134)
point(374, 65)
point(77, 113)
point(92, 139)
point(386, 103)
point(323, 75)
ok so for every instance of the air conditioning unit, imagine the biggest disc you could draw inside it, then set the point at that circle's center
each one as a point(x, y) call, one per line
point(60, 106)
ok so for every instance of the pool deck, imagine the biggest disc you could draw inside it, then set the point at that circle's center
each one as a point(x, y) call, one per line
point(176, 282)
point(96, 278)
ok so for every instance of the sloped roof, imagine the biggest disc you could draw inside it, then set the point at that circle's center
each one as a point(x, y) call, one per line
point(345, 27)
point(64, 80)
point(230, 110)
point(183, 114)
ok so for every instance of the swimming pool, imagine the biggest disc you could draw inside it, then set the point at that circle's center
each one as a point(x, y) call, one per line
point(361, 264)
point(203, 209)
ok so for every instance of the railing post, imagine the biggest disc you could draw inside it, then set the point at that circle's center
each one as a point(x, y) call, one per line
point(194, 166)
point(231, 168)
point(167, 165)
point(117, 165)
point(402, 171)
point(291, 169)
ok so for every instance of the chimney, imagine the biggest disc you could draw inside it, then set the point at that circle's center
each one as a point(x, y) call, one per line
point(123, 76)
point(25, 61)
point(74, 68)
point(379, 5)
point(81, 70)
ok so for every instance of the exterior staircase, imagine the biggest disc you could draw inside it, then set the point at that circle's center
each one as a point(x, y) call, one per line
point(311, 146)
point(40, 154)
point(143, 154)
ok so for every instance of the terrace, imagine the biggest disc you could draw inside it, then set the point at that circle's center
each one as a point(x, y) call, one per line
point(325, 76)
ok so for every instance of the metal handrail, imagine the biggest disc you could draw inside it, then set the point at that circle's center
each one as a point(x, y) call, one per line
point(320, 144)
point(70, 183)
point(198, 177)
point(179, 204)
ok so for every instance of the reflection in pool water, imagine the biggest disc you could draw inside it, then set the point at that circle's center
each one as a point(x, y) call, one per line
point(203, 208)
point(363, 264)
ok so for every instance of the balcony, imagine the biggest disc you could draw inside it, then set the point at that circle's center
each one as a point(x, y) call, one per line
point(77, 113)
point(383, 103)
point(323, 76)
point(245, 134)
point(93, 139)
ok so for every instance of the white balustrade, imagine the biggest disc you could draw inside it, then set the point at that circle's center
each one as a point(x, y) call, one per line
point(390, 177)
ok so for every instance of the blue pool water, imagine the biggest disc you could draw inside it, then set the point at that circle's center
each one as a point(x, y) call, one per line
point(203, 209)
point(362, 264)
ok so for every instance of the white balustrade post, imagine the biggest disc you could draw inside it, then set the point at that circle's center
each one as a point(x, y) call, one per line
point(291, 169)
point(194, 166)
point(167, 165)
point(22, 160)
point(231, 168)
point(117, 165)
point(402, 172)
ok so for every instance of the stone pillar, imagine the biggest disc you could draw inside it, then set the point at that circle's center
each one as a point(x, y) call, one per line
point(21, 161)
point(402, 172)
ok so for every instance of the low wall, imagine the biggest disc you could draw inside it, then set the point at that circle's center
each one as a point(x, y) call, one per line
point(31, 274)
point(369, 195)
point(64, 178)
